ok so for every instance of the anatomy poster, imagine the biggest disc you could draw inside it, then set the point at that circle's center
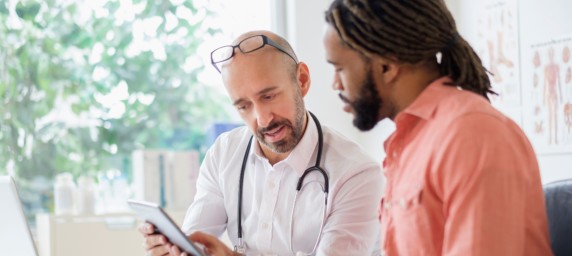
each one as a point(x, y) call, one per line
point(547, 97)
point(496, 43)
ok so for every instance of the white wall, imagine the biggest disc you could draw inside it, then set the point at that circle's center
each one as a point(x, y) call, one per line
point(304, 28)
point(304, 31)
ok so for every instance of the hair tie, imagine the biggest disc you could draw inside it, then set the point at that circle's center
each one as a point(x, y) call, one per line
point(450, 43)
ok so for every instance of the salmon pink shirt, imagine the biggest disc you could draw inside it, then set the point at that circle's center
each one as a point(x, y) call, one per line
point(462, 179)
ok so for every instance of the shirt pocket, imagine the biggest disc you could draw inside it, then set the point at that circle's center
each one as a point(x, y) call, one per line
point(413, 233)
point(408, 200)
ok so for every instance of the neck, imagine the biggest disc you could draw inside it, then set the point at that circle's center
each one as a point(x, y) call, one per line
point(274, 157)
point(414, 79)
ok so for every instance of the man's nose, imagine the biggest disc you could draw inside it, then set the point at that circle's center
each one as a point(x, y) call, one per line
point(263, 116)
point(337, 84)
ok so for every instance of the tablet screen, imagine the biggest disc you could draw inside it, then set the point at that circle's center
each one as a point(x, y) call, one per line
point(153, 214)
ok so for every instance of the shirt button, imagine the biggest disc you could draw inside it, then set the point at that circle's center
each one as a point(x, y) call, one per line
point(402, 203)
point(265, 226)
point(271, 185)
point(387, 205)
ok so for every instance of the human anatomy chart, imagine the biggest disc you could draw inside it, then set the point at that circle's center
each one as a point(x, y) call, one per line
point(497, 45)
point(547, 101)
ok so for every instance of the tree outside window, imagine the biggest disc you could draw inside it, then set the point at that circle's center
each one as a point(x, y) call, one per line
point(84, 83)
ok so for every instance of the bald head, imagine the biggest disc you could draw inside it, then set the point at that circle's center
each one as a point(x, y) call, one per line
point(276, 51)
point(272, 36)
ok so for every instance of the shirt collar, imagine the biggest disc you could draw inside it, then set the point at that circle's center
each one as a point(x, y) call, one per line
point(423, 107)
point(425, 104)
point(302, 154)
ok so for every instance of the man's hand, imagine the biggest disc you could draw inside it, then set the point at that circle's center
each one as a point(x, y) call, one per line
point(175, 251)
point(213, 246)
point(155, 244)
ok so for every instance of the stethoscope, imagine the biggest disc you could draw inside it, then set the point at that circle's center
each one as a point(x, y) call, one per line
point(241, 248)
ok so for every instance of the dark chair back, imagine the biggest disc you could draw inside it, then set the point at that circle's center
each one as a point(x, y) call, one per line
point(558, 196)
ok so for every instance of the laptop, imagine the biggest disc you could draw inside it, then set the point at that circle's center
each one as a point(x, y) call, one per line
point(15, 236)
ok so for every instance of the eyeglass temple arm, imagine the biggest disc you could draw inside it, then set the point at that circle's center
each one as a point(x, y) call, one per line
point(270, 42)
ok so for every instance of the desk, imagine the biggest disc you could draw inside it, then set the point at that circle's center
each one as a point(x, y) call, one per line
point(92, 235)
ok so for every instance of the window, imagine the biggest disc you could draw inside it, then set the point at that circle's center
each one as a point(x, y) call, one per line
point(83, 83)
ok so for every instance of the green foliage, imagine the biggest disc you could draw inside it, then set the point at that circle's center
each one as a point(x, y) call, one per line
point(85, 82)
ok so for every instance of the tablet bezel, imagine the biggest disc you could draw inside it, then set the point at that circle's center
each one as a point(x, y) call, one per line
point(155, 215)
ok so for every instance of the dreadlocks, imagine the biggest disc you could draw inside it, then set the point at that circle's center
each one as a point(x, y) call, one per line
point(410, 31)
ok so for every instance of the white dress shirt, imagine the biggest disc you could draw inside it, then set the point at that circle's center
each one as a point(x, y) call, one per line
point(351, 226)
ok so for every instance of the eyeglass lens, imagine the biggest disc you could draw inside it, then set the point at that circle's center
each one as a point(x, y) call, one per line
point(247, 45)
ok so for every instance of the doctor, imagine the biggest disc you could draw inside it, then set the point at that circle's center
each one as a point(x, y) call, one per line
point(284, 184)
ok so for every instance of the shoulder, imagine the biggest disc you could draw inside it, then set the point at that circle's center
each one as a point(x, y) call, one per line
point(482, 130)
point(464, 117)
point(353, 174)
point(459, 108)
point(471, 133)
point(345, 158)
point(233, 136)
point(232, 139)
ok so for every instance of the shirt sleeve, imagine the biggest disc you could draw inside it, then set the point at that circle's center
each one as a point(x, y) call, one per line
point(484, 168)
point(207, 212)
point(352, 227)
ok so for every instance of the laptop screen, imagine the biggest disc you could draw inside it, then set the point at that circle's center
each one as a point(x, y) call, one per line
point(15, 236)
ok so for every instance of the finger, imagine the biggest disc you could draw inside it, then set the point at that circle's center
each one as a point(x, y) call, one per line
point(162, 250)
point(155, 240)
point(202, 238)
point(212, 245)
point(174, 250)
point(146, 229)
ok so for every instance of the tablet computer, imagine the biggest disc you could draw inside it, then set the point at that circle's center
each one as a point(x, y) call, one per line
point(155, 215)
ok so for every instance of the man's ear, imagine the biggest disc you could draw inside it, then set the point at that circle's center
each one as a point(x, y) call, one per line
point(303, 77)
point(387, 70)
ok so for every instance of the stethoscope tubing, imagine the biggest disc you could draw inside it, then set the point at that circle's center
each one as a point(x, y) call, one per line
point(240, 248)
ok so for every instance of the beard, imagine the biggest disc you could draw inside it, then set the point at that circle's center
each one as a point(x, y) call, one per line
point(366, 105)
point(291, 140)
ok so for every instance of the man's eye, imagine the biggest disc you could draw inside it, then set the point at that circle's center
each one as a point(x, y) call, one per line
point(268, 97)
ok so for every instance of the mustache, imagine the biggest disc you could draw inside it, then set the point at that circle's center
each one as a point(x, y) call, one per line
point(274, 125)
point(345, 99)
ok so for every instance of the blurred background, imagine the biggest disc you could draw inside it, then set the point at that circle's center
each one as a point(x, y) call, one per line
point(85, 83)
point(104, 100)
